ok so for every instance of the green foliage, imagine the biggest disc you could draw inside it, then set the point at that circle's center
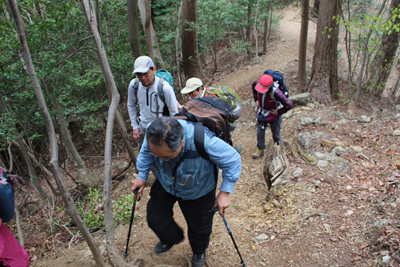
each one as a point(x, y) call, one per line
point(90, 209)
point(64, 55)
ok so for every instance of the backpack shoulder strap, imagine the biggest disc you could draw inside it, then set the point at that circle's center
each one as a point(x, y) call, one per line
point(199, 144)
point(136, 87)
point(198, 135)
point(160, 89)
point(271, 92)
point(199, 140)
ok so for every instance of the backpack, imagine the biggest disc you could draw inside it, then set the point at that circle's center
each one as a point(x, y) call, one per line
point(231, 97)
point(278, 77)
point(165, 76)
point(212, 112)
point(6, 197)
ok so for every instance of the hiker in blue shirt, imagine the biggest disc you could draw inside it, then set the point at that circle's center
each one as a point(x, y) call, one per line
point(146, 96)
point(185, 177)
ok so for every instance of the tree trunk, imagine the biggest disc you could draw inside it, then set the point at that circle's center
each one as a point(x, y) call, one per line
point(265, 44)
point(302, 69)
point(69, 145)
point(133, 27)
point(177, 49)
point(324, 76)
point(84, 176)
point(255, 29)
point(156, 50)
point(190, 52)
point(147, 28)
point(348, 41)
point(384, 57)
point(68, 201)
point(364, 55)
point(248, 31)
point(113, 251)
point(316, 7)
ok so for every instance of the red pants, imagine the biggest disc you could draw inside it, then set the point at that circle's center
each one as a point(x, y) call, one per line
point(11, 252)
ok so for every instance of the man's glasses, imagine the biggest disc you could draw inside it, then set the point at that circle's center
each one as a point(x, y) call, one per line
point(162, 158)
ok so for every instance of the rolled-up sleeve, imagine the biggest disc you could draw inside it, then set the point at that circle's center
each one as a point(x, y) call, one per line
point(144, 161)
point(226, 158)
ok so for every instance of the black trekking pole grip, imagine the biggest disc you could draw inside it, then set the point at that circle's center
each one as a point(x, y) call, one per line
point(130, 224)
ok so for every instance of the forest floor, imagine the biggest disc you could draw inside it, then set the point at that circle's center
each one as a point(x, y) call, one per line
point(329, 215)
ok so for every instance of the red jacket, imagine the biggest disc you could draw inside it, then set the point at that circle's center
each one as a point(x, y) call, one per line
point(270, 104)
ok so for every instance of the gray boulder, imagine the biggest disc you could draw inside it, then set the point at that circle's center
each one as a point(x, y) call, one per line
point(301, 99)
point(87, 178)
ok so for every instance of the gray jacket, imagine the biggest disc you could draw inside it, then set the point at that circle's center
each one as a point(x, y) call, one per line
point(148, 100)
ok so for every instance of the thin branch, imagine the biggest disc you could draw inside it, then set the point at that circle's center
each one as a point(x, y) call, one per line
point(19, 228)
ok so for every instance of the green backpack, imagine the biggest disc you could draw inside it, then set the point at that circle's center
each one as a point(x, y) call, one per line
point(231, 97)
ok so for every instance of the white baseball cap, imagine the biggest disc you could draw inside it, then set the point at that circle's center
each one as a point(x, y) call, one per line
point(143, 64)
point(191, 85)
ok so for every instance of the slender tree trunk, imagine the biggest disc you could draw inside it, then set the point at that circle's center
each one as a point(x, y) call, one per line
point(190, 52)
point(324, 76)
point(302, 73)
point(265, 44)
point(255, 28)
point(69, 145)
point(113, 251)
point(316, 6)
point(248, 30)
point(177, 48)
point(156, 50)
point(133, 27)
point(385, 56)
point(347, 40)
point(68, 201)
point(84, 176)
point(147, 27)
point(364, 56)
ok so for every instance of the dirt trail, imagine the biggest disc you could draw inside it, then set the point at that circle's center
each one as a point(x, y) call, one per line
point(281, 54)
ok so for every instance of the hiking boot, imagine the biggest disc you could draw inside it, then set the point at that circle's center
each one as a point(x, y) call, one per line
point(199, 260)
point(259, 153)
point(238, 149)
point(161, 248)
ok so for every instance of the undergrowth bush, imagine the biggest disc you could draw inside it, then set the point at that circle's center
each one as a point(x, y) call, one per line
point(91, 209)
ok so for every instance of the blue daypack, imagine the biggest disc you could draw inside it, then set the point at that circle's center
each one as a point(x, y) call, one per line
point(278, 77)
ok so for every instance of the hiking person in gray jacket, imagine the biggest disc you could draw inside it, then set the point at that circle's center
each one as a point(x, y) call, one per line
point(146, 96)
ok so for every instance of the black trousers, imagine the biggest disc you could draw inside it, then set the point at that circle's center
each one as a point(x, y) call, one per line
point(198, 214)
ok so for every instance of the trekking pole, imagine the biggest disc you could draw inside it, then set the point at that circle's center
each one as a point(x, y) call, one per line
point(135, 198)
point(230, 233)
